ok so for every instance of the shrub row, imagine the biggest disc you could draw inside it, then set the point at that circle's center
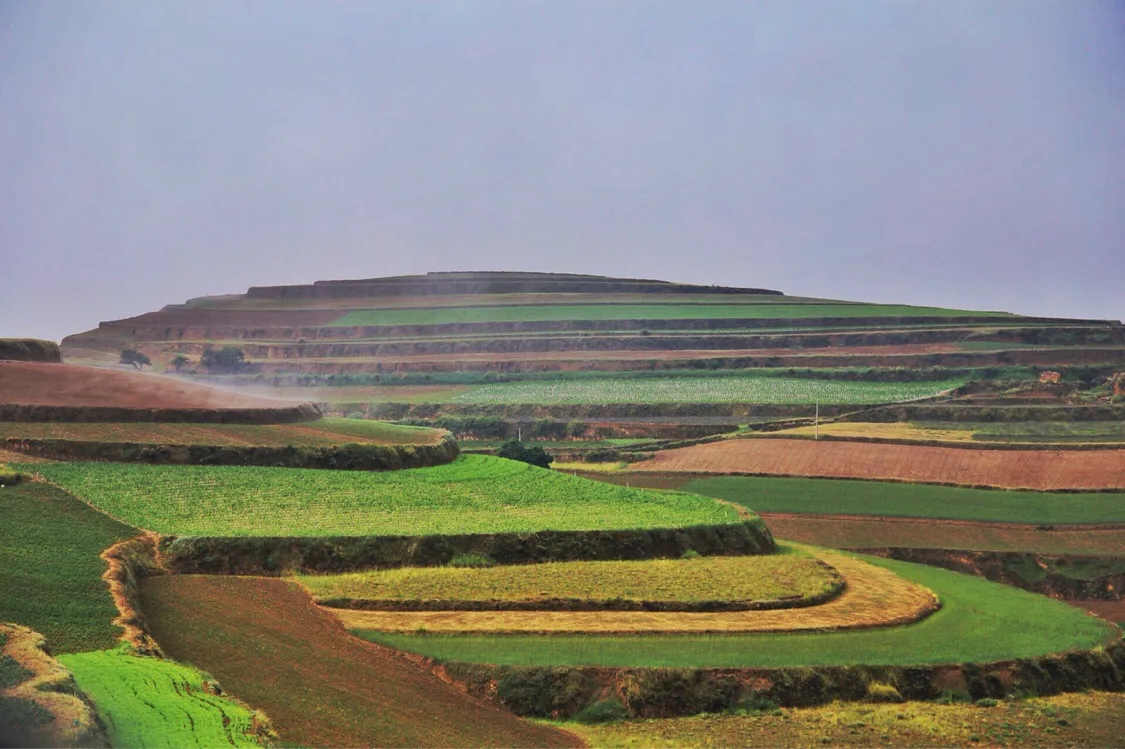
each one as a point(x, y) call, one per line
point(354, 457)
point(275, 555)
point(563, 692)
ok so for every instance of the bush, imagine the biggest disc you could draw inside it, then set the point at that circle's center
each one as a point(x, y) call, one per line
point(986, 702)
point(471, 560)
point(690, 554)
point(544, 692)
point(605, 711)
point(9, 477)
point(754, 703)
point(516, 450)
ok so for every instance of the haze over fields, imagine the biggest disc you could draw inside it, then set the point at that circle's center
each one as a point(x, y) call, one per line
point(951, 154)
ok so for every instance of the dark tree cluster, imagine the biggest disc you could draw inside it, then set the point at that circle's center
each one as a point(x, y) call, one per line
point(516, 450)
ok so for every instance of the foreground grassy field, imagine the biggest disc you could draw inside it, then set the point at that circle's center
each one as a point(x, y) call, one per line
point(716, 389)
point(50, 571)
point(1091, 719)
point(826, 496)
point(979, 622)
point(792, 576)
point(149, 702)
point(269, 645)
point(474, 494)
point(542, 312)
point(322, 433)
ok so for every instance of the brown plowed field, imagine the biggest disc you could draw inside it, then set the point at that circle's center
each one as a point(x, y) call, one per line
point(874, 597)
point(34, 383)
point(270, 646)
point(1011, 469)
point(1113, 611)
point(853, 532)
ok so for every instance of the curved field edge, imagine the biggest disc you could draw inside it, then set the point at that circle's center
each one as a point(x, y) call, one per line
point(145, 701)
point(873, 597)
point(789, 579)
point(473, 494)
point(271, 646)
point(40, 702)
point(278, 555)
point(979, 622)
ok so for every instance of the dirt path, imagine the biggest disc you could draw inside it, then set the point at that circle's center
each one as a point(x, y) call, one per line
point(268, 645)
point(874, 597)
point(1010, 469)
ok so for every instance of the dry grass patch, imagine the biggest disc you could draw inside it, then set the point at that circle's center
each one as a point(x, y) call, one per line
point(773, 581)
point(893, 431)
point(874, 597)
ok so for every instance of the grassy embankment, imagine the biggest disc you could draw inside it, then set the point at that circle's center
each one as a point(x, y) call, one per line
point(50, 570)
point(149, 702)
point(837, 497)
point(1090, 719)
point(544, 312)
point(979, 622)
point(474, 494)
point(786, 578)
point(322, 433)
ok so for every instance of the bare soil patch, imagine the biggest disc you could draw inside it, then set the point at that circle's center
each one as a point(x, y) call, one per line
point(40, 384)
point(1024, 469)
point(1113, 611)
point(269, 646)
point(854, 532)
point(874, 597)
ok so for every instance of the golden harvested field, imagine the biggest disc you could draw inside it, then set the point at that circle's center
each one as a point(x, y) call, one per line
point(892, 431)
point(874, 597)
point(1009, 469)
point(781, 578)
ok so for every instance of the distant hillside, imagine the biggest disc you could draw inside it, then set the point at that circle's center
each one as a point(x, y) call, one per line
point(511, 322)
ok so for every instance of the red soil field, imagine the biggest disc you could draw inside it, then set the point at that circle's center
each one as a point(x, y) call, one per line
point(1113, 611)
point(1010, 469)
point(34, 383)
point(852, 532)
point(269, 645)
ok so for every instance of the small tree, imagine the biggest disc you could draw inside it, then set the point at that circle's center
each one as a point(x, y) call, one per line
point(516, 450)
point(134, 357)
point(228, 358)
point(179, 361)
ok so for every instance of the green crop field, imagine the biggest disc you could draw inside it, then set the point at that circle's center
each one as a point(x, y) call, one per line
point(1040, 431)
point(322, 433)
point(474, 494)
point(50, 571)
point(547, 312)
point(149, 702)
point(750, 578)
point(844, 497)
point(714, 389)
point(978, 622)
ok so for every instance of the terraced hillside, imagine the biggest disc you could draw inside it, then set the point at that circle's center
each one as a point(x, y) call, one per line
point(519, 322)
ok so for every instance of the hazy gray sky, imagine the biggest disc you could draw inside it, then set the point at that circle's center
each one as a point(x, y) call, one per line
point(950, 153)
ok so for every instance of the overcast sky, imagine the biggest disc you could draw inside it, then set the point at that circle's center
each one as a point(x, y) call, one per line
point(948, 153)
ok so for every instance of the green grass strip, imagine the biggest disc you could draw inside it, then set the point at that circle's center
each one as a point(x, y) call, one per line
point(979, 622)
point(50, 570)
point(474, 494)
point(148, 702)
point(888, 499)
point(547, 312)
point(714, 389)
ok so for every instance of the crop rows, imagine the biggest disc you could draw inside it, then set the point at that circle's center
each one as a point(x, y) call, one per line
point(322, 433)
point(548, 312)
point(718, 389)
point(748, 578)
point(474, 494)
point(146, 702)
